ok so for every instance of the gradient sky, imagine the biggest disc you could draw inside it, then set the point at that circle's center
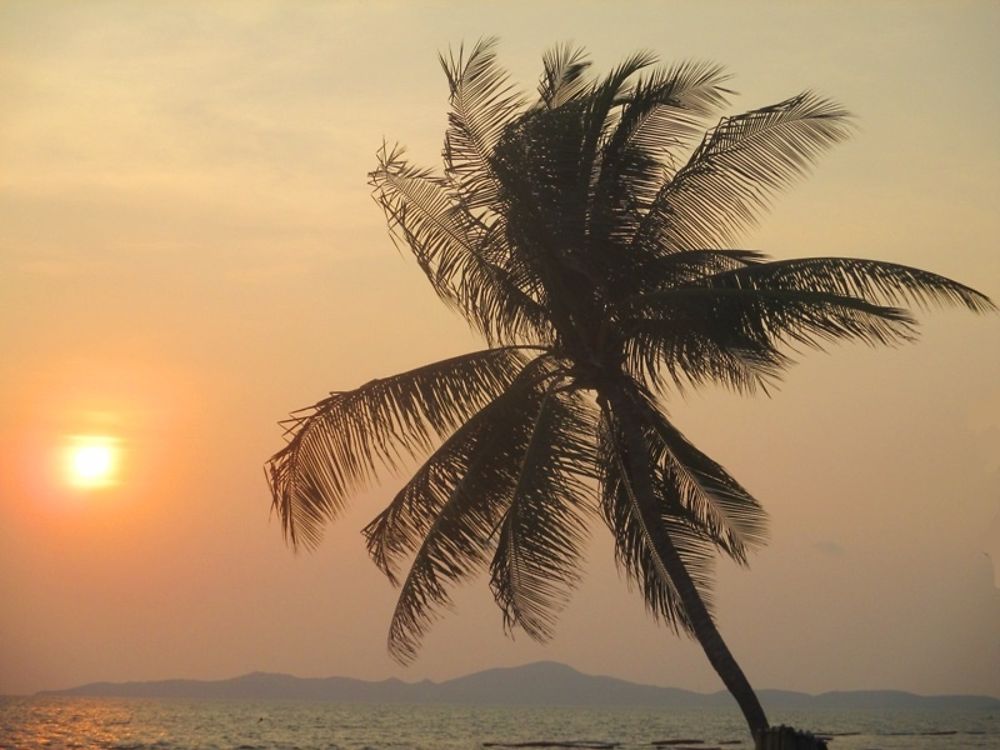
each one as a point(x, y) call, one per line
point(188, 250)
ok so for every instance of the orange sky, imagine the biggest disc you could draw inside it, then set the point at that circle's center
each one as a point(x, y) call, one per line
point(188, 250)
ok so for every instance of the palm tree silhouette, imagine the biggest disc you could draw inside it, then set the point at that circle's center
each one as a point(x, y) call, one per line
point(598, 268)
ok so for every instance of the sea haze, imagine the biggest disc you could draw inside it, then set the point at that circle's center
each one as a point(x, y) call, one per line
point(538, 684)
point(106, 723)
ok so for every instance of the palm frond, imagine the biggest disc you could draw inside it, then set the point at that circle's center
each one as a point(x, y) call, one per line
point(657, 272)
point(336, 446)
point(689, 266)
point(419, 212)
point(736, 170)
point(614, 89)
point(450, 510)
point(544, 165)
point(657, 116)
point(666, 108)
point(538, 553)
point(649, 534)
point(602, 114)
point(871, 280)
point(397, 531)
point(564, 69)
point(658, 354)
point(592, 118)
point(700, 333)
point(454, 252)
point(718, 506)
point(482, 101)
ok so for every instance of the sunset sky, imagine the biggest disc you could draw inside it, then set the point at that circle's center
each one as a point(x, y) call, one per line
point(189, 250)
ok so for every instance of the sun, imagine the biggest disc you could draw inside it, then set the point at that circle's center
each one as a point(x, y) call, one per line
point(92, 461)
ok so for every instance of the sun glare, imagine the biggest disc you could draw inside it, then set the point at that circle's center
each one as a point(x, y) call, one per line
point(92, 461)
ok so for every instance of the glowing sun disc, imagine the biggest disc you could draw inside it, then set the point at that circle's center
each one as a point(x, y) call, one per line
point(92, 461)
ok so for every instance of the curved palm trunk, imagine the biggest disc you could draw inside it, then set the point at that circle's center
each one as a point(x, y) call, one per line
point(704, 627)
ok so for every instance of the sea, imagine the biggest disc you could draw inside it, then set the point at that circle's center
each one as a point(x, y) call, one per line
point(52, 723)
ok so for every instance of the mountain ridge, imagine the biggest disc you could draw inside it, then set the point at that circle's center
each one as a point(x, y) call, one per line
point(536, 683)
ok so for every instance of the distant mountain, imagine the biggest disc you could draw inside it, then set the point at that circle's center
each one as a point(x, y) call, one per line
point(543, 683)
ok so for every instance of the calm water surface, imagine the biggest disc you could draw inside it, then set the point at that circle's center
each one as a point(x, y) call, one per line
point(138, 724)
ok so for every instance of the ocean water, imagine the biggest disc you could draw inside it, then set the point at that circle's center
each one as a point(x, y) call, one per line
point(145, 724)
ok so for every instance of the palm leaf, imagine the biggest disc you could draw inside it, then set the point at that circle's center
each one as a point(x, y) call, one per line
point(651, 273)
point(668, 107)
point(336, 446)
point(450, 510)
point(649, 534)
point(657, 353)
point(563, 78)
point(659, 114)
point(419, 211)
point(544, 164)
point(544, 167)
point(735, 336)
point(737, 168)
point(872, 280)
point(455, 252)
point(718, 506)
point(690, 266)
point(398, 530)
point(482, 101)
point(538, 554)
point(602, 115)
point(606, 96)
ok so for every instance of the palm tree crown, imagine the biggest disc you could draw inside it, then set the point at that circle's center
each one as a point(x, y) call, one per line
point(598, 265)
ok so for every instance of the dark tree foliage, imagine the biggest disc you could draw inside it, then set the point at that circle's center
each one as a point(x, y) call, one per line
point(587, 233)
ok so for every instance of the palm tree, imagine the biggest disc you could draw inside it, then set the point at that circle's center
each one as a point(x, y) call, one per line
point(598, 267)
